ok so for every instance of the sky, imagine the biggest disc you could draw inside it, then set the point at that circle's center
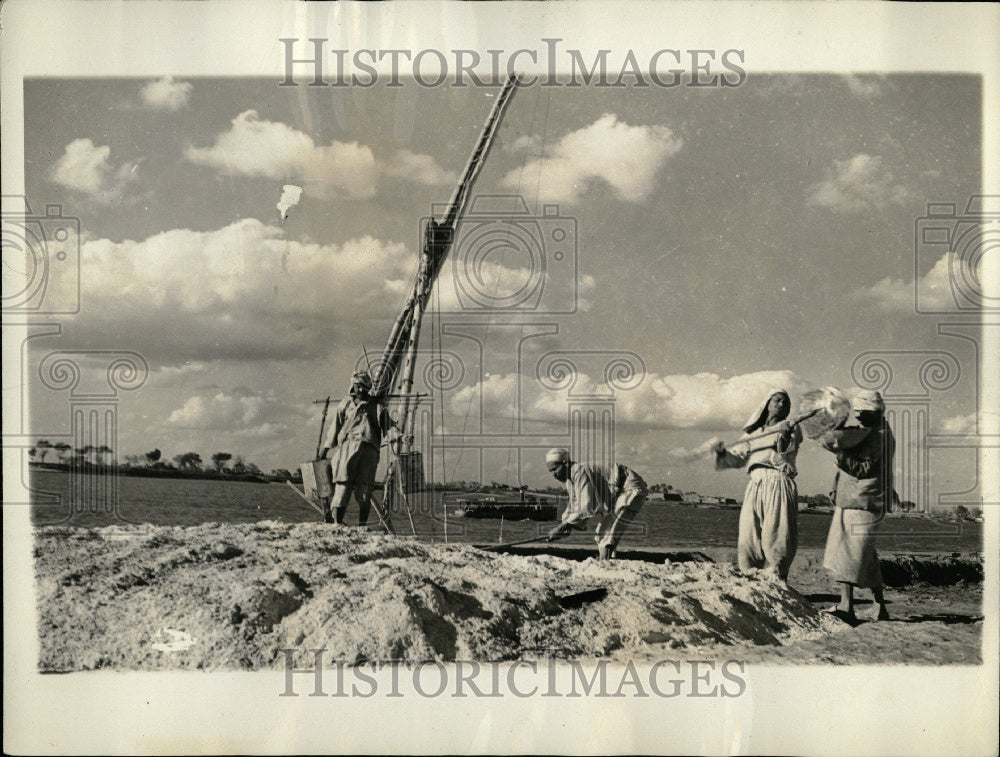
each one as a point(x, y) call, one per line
point(723, 242)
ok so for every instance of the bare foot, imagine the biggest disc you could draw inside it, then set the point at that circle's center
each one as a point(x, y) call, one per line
point(845, 615)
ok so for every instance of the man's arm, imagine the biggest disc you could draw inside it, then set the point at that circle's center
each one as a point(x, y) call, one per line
point(388, 424)
point(844, 438)
point(581, 505)
point(859, 467)
point(731, 458)
point(863, 460)
point(331, 437)
point(584, 502)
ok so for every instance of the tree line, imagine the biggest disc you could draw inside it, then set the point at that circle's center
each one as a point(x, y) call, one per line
point(66, 453)
point(187, 462)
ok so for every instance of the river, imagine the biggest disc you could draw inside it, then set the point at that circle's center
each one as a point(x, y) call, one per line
point(185, 502)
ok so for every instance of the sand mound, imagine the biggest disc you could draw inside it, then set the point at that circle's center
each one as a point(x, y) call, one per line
point(936, 570)
point(231, 596)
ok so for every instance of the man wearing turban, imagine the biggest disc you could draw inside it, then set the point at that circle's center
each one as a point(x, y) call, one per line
point(615, 494)
point(353, 442)
point(863, 489)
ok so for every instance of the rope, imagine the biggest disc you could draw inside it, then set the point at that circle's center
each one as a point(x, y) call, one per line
point(437, 341)
point(520, 175)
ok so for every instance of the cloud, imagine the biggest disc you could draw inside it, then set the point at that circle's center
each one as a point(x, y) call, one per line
point(270, 149)
point(240, 292)
point(497, 394)
point(936, 291)
point(85, 167)
point(246, 292)
point(973, 423)
point(897, 295)
point(857, 184)
point(499, 282)
point(703, 400)
point(627, 158)
point(237, 412)
point(166, 94)
point(420, 169)
point(684, 455)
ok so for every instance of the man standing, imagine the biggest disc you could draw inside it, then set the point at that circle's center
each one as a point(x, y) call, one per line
point(353, 442)
point(864, 447)
point(768, 535)
point(614, 494)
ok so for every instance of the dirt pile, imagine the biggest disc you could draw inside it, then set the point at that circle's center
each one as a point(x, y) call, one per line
point(936, 570)
point(230, 596)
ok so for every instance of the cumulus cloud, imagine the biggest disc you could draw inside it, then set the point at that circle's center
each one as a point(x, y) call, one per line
point(495, 395)
point(627, 158)
point(898, 295)
point(684, 455)
point(856, 184)
point(239, 292)
point(420, 169)
point(166, 94)
point(685, 401)
point(271, 149)
point(935, 288)
point(238, 412)
point(964, 424)
point(514, 282)
point(705, 400)
point(87, 168)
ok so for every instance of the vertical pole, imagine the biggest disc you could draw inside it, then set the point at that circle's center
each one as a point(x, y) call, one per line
point(322, 427)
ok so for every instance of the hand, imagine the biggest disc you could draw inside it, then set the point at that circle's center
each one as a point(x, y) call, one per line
point(784, 430)
point(719, 447)
point(558, 532)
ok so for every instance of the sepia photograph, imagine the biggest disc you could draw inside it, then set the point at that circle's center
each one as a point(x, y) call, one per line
point(547, 378)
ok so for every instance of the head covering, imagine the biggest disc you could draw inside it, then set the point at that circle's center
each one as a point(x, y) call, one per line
point(759, 416)
point(362, 378)
point(556, 455)
point(867, 399)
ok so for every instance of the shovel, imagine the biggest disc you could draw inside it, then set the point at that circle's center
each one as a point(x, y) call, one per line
point(497, 547)
point(820, 411)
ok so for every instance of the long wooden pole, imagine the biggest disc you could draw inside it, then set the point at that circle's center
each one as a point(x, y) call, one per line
point(403, 339)
point(400, 354)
